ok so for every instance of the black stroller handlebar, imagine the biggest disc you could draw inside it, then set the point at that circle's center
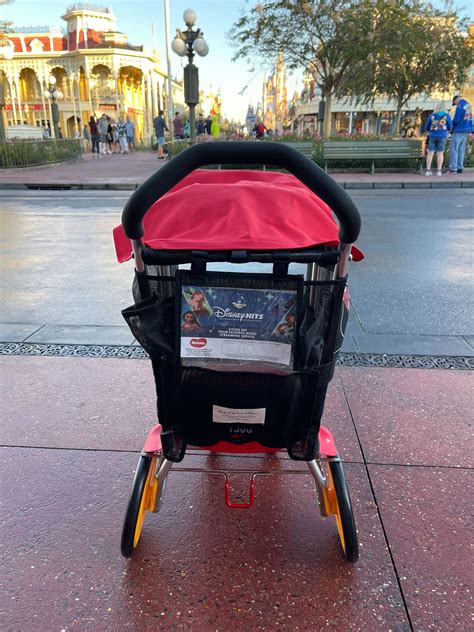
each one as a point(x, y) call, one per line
point(242, 152)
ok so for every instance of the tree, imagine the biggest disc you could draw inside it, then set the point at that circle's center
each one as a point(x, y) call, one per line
point(415, 49)
point(328, 38)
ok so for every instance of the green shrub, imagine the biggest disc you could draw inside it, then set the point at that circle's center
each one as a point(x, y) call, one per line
point(28, 153)
point(176, 147)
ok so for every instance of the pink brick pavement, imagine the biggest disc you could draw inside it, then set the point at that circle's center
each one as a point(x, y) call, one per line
point(67, 464)
point(135, 168)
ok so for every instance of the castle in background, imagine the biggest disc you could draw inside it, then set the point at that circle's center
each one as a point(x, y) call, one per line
point(274, 110)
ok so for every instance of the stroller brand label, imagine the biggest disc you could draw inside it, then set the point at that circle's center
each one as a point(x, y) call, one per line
point(238, 324)
point(223, 415)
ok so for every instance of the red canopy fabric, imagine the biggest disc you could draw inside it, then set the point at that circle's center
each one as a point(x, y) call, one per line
point(236, 210)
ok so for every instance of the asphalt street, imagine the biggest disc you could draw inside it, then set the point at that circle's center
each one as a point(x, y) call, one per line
point(59, 267)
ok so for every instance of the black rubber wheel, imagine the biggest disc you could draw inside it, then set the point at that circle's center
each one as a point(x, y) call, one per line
point(344, 514)
point(129, 540)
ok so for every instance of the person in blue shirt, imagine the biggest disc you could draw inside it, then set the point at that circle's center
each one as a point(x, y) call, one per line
point(130, 129)
point(438, 126)
point(160, 127)
point(462, 127)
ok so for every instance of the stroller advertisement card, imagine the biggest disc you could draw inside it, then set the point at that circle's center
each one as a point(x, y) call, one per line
point(237, 324)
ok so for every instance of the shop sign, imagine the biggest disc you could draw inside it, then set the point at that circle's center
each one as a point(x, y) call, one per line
point(26, 107)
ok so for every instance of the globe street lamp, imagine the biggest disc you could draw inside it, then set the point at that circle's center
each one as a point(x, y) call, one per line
point(186, 44)
point(6, 52)
point(54, 95)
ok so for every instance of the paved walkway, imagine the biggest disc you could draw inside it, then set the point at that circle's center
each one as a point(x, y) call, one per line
point(126, 172)
point(42, 338)
point(72, 431)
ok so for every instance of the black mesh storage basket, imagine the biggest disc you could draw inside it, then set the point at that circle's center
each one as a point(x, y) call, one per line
point(188, 396)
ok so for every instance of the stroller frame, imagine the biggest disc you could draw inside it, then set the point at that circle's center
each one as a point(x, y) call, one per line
point(326, 469)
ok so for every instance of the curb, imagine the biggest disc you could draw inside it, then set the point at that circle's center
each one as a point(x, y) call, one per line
point(75, 186)
point(407, 185)
point(67, 186)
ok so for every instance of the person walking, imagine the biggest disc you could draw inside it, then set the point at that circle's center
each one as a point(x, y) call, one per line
point(201, 125)
point(178, 131)
point(259, 129)
point(103, 126)
point(122, 136)
point(208, 124)
point(130, 127)
point(159, 124)
point(110, 137)
point(115, 140)
point(438, 126)
point(86, 135)
point(462, 127)
point(215, 128)
point(95, 137)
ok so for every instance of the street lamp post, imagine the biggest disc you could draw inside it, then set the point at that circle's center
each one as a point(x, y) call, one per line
point(53, 94)
point(186, 43)
point(7, 52)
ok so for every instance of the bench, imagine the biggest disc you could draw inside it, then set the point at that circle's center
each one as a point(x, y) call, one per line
point(304, 147)
point(373, 149)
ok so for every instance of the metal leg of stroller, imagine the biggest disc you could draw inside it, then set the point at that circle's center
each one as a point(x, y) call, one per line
point(163, 467)
point(317, 273)
point(321, 485)
point(165, 287)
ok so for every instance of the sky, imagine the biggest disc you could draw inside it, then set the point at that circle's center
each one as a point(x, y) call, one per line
point(134, 17)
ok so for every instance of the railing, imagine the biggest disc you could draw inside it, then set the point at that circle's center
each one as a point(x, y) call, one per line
point(28, 153)
point(80, 6)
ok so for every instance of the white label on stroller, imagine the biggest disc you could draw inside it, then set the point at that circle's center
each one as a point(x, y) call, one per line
point(244, 350)
point(223, 415)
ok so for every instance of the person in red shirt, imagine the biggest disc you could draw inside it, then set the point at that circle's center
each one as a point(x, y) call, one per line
point(178, 130)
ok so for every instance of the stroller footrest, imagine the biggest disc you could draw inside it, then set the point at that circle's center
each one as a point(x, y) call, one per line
point(234, 505)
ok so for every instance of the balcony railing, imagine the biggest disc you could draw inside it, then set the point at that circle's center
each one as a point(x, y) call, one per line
point(88, 7)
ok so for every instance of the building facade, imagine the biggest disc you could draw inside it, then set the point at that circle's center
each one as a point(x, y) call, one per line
point(350, 117)
point(96, 70)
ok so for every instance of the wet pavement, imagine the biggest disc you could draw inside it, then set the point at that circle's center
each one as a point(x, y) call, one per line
point(412, 295)
point(71, 438)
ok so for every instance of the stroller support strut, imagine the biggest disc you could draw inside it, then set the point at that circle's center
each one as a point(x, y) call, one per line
point(163, 468)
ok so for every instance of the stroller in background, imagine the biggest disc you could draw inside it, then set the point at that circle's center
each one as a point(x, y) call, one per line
point(241, 361)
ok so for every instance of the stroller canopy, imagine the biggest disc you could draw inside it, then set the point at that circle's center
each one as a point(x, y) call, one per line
point(236, 210)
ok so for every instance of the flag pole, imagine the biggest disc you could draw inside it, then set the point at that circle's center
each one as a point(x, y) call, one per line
point(153, 30)
point(168, 63)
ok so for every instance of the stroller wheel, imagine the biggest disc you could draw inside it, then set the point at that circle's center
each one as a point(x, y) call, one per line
point(341, 507)
point(142, 499)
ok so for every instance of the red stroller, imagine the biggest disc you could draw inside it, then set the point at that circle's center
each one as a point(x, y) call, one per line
point(241, 361)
